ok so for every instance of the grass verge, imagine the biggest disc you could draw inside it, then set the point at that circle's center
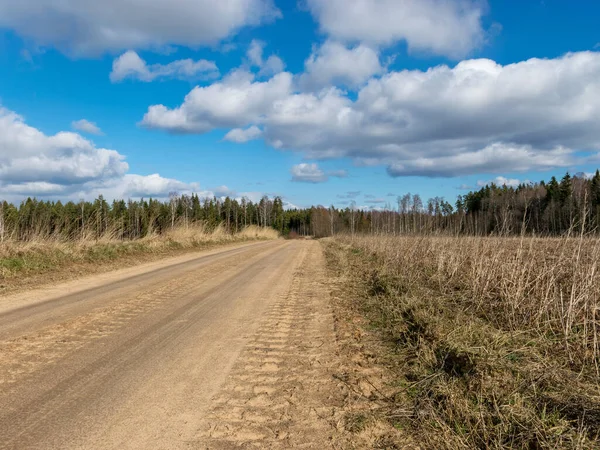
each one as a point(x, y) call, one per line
point(27, 264)
point(479, 342)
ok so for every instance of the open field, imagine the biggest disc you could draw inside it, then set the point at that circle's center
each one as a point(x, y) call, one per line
point(480, 342)
point(348, 342)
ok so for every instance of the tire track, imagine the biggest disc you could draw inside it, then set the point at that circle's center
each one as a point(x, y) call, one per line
point(280, 393)
point(24, 355)
point(95, 382)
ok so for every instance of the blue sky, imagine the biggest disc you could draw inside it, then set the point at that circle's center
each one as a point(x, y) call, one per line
point(326, 97)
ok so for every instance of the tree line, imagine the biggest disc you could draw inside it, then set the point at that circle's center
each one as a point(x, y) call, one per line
point(571, 205)
point(134, 219)
point(546, 208)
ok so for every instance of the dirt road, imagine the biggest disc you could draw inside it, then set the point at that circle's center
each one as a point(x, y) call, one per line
point(225, 349)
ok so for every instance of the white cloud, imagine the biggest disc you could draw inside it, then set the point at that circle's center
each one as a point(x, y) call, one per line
point(68, 166)
point(271, 66)
point(224, 191)
point(86, 126)
point(476, 117)
point(234, 102)
point(255, 52)
point(308, 173)
point(137, 186)
point(287, 205)
point(334, 63)
point(312, 173)
point(130, 65)
point(501, 181)
point(240, 135)
point(25, 189)
point(496, 157)
point(88, 27)
point(28, 155)
point(253, 196)
point(445, 27)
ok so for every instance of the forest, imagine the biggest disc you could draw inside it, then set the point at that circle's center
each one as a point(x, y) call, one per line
point(544, 208)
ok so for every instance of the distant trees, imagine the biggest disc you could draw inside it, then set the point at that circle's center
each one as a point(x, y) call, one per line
point(553, 208)
point(573, 204)
point(135, 219)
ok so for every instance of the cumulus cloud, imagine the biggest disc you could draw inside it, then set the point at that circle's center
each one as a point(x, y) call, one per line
point(236, 101)
point(88, 27)
point(131, 65)
point(501, 181)
point(476, 117)
point(312, 173)
point(255, 52)
point(271, 66)
point(86, 126)
point(287, 205)
point(240, 135)
point(24, 189)
point(28, 155)
point(223, 191)
point(496, 157)
point(334, 63)
point(66, 165)
point(137, 186)
point(445, 27)
point(308, 173)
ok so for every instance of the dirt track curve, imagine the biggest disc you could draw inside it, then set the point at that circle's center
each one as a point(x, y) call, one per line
point(226, 349)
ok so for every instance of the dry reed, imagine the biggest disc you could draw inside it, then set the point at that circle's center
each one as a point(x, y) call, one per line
point(37, 255)
point(496, 338)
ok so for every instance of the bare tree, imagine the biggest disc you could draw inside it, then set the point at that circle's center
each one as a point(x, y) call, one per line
point(332, 218)
point(417, 207)
point(82, 206)
point(352, 216)
point(1, 221)
point(245, 208)
point(403, 204)
point(173, 204)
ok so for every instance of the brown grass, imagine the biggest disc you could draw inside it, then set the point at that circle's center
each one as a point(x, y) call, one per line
point(33, 260)
point(491, 342)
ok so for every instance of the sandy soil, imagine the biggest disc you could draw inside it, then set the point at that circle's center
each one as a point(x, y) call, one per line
point(231, 348)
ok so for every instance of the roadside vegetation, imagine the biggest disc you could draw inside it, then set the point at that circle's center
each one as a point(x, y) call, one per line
point(41, 258)
point(43, 241)
point(486, 342)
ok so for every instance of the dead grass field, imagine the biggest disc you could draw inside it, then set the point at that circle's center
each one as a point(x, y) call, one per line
point(52, 259)
point(484, 342)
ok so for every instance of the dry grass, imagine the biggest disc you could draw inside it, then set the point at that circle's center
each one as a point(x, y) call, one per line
point(492, 342)
point(29, 260)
